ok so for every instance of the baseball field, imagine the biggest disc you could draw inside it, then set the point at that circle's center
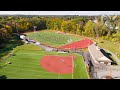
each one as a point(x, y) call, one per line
point(31, 62)
point(26, 64)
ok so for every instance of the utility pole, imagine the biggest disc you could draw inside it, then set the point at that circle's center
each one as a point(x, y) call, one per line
point(34, 28)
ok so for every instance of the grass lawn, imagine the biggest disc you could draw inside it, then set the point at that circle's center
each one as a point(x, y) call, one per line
point(26, 65)
point(51, 38)
point(110, 46)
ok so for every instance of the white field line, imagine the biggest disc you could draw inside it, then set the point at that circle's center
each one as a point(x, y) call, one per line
point(72, 66)
point(85, 67)
point(75, 66)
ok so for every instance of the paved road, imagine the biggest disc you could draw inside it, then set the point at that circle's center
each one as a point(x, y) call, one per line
point(46, 48)
point(40, 45)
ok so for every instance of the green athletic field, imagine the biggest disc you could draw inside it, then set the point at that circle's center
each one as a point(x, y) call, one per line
point(26, 65)
point(51, 38)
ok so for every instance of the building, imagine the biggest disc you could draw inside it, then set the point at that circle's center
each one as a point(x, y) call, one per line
point(97, 57)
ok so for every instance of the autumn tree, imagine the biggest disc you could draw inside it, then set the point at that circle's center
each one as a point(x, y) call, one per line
point(68, 26)
point(89, 29)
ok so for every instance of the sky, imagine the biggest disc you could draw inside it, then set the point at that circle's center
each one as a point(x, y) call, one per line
point(60, 12)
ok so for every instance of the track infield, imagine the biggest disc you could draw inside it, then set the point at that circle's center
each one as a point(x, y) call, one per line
point(78, 45)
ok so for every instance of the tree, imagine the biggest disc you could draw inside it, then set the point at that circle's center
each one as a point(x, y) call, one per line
point(100, 29)
point(111, 23)
point(89, 29)
point(79, 23)
point(68, 26)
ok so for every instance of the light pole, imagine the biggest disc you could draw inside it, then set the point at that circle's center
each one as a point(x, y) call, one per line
point(34, 28)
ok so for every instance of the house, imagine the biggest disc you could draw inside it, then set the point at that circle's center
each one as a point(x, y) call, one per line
point(97, 57)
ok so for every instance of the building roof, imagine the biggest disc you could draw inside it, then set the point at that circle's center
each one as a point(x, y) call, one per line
point(103, 59)
point(97, 54)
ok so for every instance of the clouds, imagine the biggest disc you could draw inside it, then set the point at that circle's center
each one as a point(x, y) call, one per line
point(60, 12)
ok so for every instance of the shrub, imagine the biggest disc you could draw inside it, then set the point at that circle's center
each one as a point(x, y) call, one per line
point(115, 39)
point(110, 38)
point(105, 37)
point(102, 42)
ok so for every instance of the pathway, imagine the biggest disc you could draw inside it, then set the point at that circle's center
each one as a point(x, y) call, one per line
point(40, 45)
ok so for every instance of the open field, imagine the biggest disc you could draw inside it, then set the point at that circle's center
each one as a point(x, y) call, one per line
point(110, 46)
point(51, 38)
point(26, 65)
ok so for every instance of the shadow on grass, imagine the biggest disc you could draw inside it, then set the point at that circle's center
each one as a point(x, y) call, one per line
point(108, 55)
point(3, 77)
point(8, 46)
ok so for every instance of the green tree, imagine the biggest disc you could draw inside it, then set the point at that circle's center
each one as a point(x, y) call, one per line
point(67, 26)
point(89, 29)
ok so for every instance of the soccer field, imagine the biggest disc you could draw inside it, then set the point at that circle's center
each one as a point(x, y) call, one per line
point(52, 38)
point(26, 65)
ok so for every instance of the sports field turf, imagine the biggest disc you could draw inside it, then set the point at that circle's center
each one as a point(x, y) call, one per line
point(26, 65)
point(51, 38)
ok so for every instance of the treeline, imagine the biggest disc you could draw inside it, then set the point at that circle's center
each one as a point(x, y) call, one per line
point(80, 25)
point(89, 26)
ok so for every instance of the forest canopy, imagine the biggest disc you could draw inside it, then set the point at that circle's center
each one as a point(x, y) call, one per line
point(90, 26)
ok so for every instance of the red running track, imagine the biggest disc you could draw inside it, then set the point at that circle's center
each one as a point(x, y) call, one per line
point(58, 64)
point(78, 45)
